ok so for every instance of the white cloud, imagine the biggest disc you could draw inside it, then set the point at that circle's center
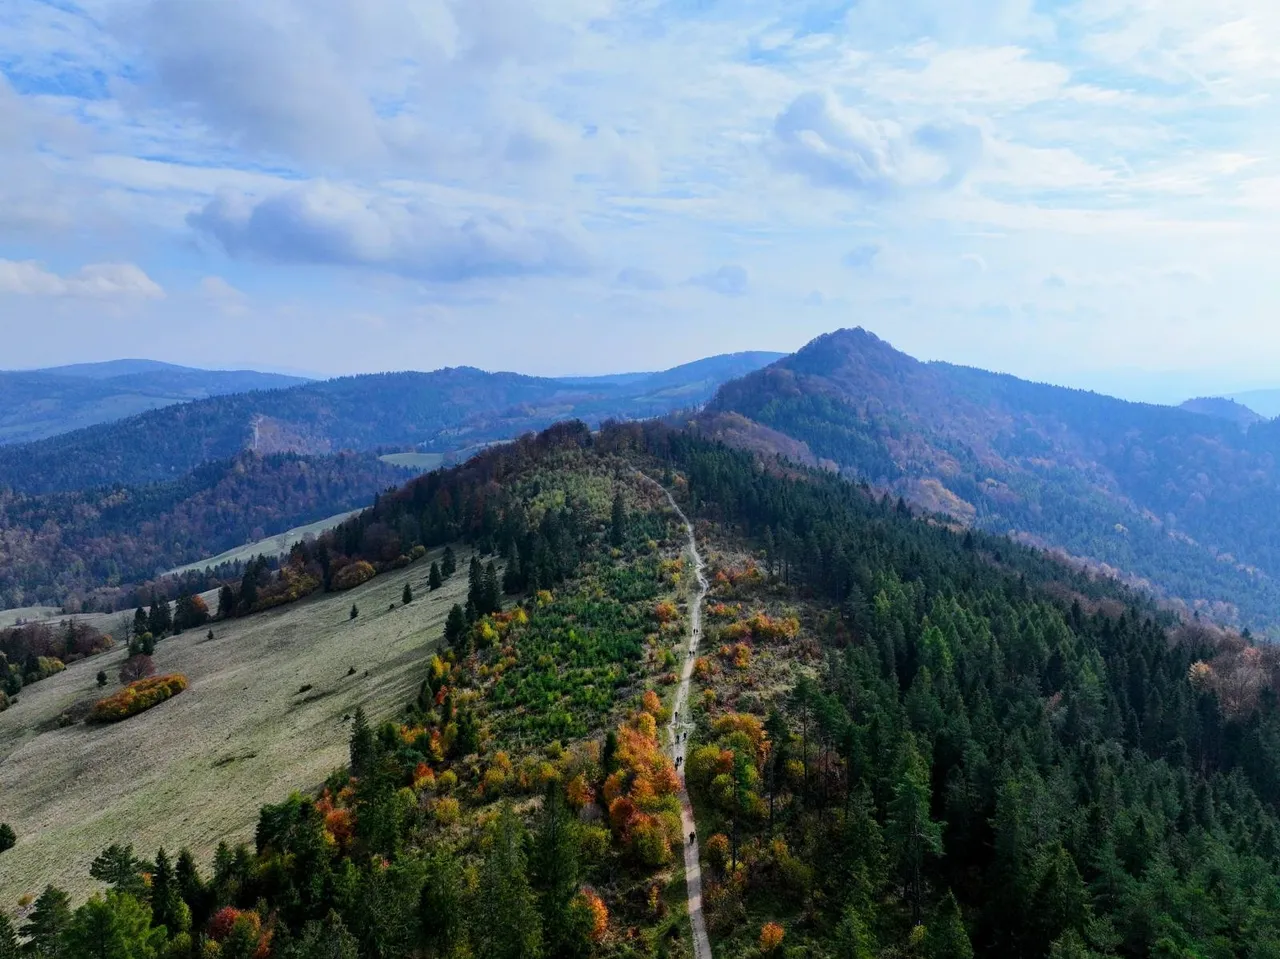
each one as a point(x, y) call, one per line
point(322, 223)
point(95, 281)
point(833, 145)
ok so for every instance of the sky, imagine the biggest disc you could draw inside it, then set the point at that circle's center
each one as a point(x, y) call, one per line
point(1081, 192)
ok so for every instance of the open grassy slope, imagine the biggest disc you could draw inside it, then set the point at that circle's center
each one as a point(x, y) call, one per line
point(276, 545)
point(196, 769)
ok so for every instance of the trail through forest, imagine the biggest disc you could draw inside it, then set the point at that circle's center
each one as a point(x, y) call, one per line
point(678, 730)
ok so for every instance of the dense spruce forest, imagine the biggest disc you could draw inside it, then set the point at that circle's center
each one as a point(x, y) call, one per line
point(101, 549)
point(908, 741)
point(1181, 500)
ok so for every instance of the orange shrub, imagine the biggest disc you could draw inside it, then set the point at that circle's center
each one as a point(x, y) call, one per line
point(666, 612)
point(594, 906)
point(353, 574)
point(579, 792)
point(137, 697)
point(771, 935)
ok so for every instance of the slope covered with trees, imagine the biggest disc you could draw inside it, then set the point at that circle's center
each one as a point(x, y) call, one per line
point(40, 403)
point(444, 411)
point(1182, 500)
point(89, 550)
point(907, 741)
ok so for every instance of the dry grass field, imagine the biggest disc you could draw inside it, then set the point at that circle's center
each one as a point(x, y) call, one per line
point(196, 769)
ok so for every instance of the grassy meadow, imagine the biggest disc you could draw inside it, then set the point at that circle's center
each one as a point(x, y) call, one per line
point(196, 769)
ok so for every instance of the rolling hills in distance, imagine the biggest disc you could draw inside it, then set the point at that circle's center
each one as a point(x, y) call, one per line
point(444, 411)
point(1176, 499)
point(1183, 500)
point(36, 404)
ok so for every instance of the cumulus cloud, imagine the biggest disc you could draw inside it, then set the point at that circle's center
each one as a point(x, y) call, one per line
point(95, 281)
point(322, 223)
point(836, 146)
point(728, 280)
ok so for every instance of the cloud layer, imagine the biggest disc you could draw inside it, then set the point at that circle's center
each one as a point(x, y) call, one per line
point(590, 184)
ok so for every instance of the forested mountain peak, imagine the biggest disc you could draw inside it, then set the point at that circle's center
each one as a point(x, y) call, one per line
point(1181, 500)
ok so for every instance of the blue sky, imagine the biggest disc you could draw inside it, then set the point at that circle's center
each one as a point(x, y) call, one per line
point(1083, 192)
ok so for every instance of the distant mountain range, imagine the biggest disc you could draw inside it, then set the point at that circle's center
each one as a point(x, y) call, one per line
point(445, 411)
point(35, 404)
point(1264, 402)
point(1184, 499)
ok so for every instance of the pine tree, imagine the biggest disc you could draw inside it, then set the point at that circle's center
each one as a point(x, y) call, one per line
point(140, 623)
point(509, 926)
point(226, 602)
point(167, 906)
point(363, 746)
point(456, 633)
point(355, 611)
point(8, 839)
point(160, 620)
point(8, 938)
point(911, 832)
point(475, 584)
point(192, 888)
point(618, 521)
point(448, 563)
point(434, 580)
point(117, 927)
point(406, 596)
point(47, 924)
point(553, 869)
point(947, 937)
point(120, 869)
point(102, 678)
point(441, 907)
point(492, 591)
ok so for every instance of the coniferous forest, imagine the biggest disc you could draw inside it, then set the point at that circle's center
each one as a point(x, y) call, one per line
point(908, 741)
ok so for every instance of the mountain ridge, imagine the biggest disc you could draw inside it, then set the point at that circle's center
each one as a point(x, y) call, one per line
point(1170, 495)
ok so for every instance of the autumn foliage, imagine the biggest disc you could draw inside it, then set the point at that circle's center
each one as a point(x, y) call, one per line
point(353, 574)
point(137, 697)
point(771, 936)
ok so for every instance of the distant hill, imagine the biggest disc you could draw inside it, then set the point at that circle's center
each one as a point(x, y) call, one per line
point(37, 404)
point(64, 548)
point(112, 368)
point(1265, 402)
point(1223, 409)
point(1181, 500)
point(444, 411)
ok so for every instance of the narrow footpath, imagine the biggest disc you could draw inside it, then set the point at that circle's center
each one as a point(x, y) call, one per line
point(678, 730)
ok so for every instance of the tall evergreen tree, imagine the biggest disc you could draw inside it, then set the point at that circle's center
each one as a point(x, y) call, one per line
point(618, 521)
point(434, 579)
point(448, 563)
point(47, 924)
point(406, 595)
point(226, 602)
point(911, 832)
point(553, 869)
point(456, 632)
point(8, 938)
point(363, 745)
point(509, 926)
point(117, 927)
point(442, 905)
